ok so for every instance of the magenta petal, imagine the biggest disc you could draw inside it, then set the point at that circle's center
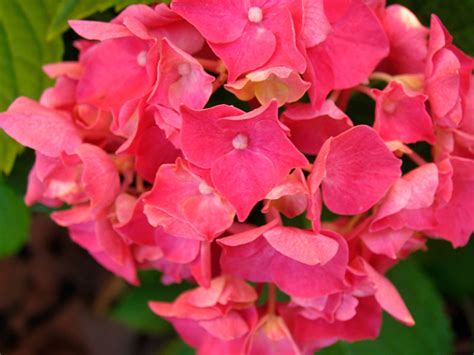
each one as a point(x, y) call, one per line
point(235, 176)
point(304, 246)
point(359, 171)
point(50, 132)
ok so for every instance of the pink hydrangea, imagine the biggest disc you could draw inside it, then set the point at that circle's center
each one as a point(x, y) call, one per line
point(155, 170)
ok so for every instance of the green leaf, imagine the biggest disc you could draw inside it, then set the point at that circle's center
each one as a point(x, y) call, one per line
point(176, 347)
point(14, 221)
point(79, 9)
point(132, 308)
point(125, 3)
point(9, 150)
point(448, 267)
point(431, 334)
point(23, 50)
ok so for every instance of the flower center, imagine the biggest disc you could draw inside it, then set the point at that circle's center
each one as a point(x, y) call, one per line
point(389, 107)
point(141, 58)
point(255, 14)
point(240, 141)
point(204, 188)
point(184, 69)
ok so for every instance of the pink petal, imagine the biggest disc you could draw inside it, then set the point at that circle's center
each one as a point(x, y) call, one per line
point(311, 127)
point(303, 246)
point(388, 296)
point(199, 126)
point(235, 177)
point(181, 80)
point(48, 131)
point(100, 177)
point(408, 41)
point(228, 16)
point(301, 280)
point(228, 327)
point(401, 115)
point(96, 30)
point(359, 171)
point(113, 73)
point(258, 41)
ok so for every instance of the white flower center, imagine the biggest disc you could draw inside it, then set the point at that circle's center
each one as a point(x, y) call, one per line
point(184, 69)
point(141, 58)
point(255, 14)
point(204, 188)
point(240, 141)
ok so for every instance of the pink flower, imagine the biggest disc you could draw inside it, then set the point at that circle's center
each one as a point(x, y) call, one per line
point(247, 153)
point(149, 145)
point(217, 318)
point(266, 30)
point(407, 203)
point(355, 170)
point(290, 197)
point(272, 336)
point(185, 205)
point(53, 132)
point(355, 30)
point(455, 219)
point(181, 80)
point(276, 254)
point(280, 83)
point(311, 127)
point(448, 73)
point(408, 41)
point(401, 115)
point(191, 213)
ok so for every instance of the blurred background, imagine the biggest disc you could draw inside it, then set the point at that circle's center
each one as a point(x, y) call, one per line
point(54, 298)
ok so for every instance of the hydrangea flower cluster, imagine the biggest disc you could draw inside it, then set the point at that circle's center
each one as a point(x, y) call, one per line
point(157, 175)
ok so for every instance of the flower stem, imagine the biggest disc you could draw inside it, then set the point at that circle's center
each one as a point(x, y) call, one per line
point(271, 298)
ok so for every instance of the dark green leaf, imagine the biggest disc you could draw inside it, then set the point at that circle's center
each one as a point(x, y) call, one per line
point(431, 334)
point(14, 221)
point(176, 347)
point(448, 267)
